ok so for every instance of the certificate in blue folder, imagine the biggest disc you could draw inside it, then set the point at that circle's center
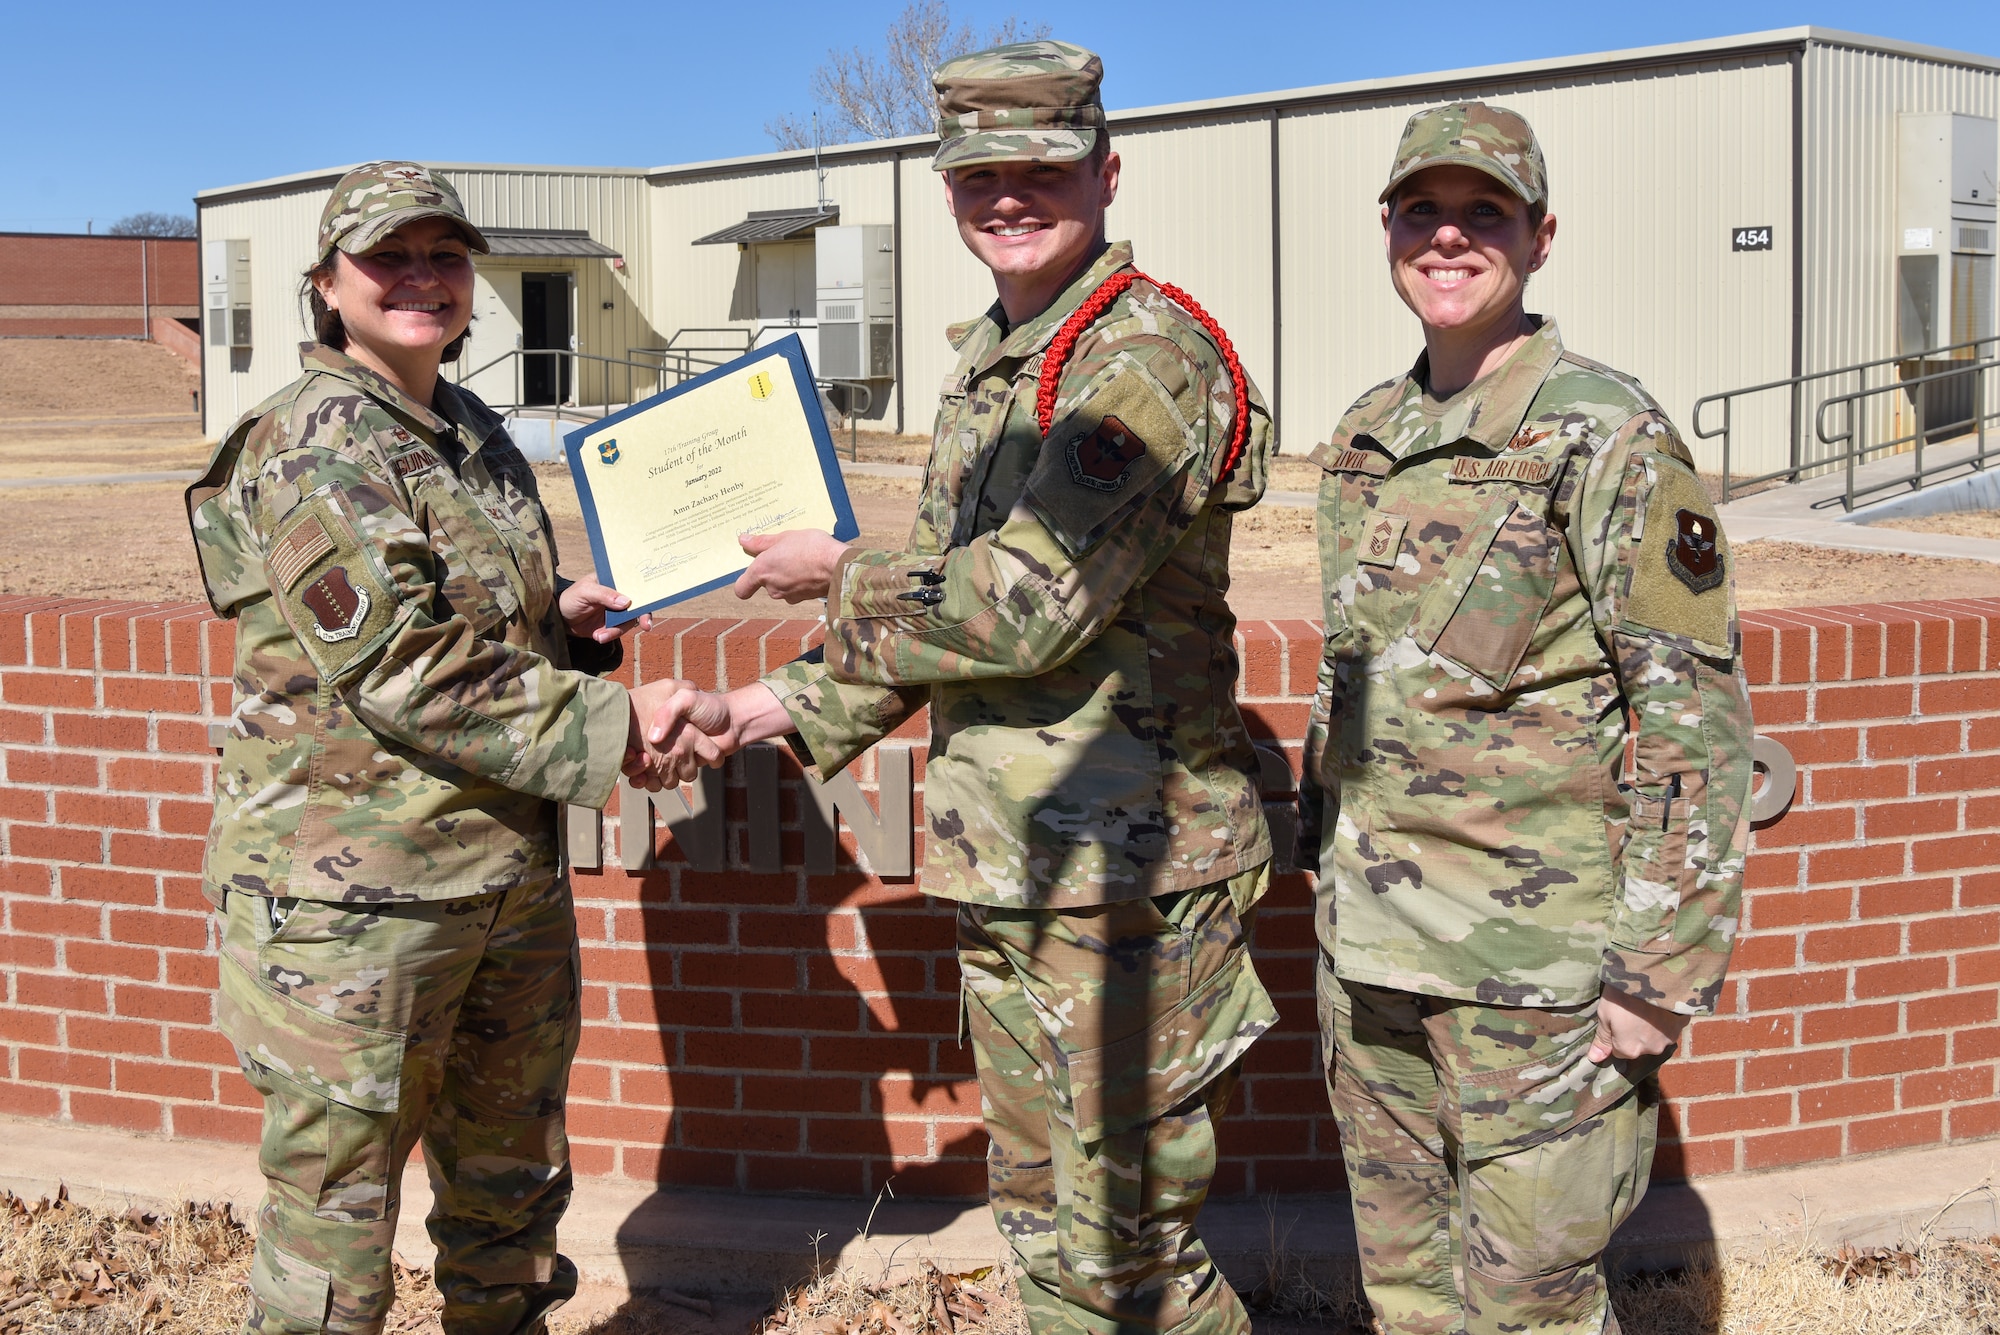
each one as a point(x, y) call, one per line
point(668, 484)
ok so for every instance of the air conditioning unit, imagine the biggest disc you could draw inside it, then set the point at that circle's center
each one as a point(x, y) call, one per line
point(855, 282)
point(225, 281)
point(1945, 223)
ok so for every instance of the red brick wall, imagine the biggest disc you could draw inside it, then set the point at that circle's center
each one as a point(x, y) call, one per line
point(72, 271)
point(783, 1031)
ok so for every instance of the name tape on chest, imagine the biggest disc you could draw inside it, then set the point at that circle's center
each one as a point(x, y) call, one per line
point(1469, 469)
point(1360, 461)
point(411, 462)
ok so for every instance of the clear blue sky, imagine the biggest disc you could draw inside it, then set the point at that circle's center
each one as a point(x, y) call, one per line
point(125, 107)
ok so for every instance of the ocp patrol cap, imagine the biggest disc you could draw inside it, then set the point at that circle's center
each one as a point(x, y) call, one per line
point(1486, 138)
point(376, 198)
point(1022, 102)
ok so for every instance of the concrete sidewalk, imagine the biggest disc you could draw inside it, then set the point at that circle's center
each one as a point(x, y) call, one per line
point(1809, 511)
point(722, 1242)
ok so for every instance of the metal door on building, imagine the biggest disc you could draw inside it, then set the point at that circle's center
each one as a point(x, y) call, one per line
point(546, 324)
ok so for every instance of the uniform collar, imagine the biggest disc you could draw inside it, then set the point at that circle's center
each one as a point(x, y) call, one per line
point(1489, 410)
point(453, 414)
point(988, 340)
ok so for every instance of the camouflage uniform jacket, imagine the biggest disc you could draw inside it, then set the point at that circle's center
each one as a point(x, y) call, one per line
point(405, 713)
point(1061, 609)
point(1531, 725)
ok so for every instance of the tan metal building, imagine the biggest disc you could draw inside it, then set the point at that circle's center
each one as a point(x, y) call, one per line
point(1729, 214)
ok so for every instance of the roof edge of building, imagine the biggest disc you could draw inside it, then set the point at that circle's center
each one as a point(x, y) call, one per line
point(279, 185)
point(1352, 90)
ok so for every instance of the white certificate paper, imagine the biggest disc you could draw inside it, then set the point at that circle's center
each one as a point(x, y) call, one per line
point(667, 484)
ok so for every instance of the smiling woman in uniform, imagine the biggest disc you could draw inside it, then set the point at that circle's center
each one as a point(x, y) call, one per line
point(415, 692)
point(1527, 772)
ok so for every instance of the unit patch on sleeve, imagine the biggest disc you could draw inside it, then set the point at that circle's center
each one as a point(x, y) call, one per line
point(338, 608)
point(1693, 557)
point(1679, 559)
point(1121, 441)
point(1101, 459)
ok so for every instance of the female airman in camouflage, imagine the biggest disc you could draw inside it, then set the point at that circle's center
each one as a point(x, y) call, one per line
point(414, 694)
point(1529, 757)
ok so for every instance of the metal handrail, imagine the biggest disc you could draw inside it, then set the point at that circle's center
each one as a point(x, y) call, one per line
point(1857, 452)
point(680, 357)
point(1797, 385)
point(852, 412)
point(519, 357)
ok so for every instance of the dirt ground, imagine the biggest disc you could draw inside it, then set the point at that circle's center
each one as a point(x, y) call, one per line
point(80, 407)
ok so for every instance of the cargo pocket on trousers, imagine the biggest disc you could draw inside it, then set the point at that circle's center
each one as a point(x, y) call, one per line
point(1553, 1207)
point(1123, 1084)
point(331, 1082)
point(297, 1292)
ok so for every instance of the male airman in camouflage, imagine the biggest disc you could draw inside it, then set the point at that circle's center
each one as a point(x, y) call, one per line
point(398, 955)
point(1089, 792)
point(1533, 739)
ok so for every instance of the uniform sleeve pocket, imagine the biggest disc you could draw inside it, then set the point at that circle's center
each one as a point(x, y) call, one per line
point(1482, 611)
point(1656, 870)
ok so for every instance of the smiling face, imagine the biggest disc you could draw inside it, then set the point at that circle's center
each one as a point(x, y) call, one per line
point(1034, 224)
point(404, 298)
point(1461, 246)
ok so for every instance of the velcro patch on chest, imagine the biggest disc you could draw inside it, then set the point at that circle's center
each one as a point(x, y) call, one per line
point(297, 549)
point(1107, 454)
point(1470, 468)
point(1381, 539)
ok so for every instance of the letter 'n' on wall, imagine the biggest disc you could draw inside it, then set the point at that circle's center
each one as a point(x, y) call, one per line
point(694, 814)
point(884, 837)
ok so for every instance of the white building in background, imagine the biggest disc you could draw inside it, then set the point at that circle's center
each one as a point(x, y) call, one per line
point(1731, 212)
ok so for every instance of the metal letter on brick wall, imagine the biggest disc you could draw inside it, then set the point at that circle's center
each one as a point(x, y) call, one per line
point(694, 814)
point(885, 837)
point(1781, 779)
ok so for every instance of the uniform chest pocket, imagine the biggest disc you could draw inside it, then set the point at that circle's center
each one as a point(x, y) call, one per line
point(476, 583)
point(1482, 610)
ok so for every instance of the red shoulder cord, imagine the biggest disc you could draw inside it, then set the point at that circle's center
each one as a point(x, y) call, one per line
point(1100, 301)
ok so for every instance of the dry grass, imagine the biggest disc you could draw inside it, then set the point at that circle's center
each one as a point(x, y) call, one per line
point(1959, 523)
point(68, 1268)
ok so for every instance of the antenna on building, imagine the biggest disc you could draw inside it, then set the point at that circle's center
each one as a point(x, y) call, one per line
point(819, 172)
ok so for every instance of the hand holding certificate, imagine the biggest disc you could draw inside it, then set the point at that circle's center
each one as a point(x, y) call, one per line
point(668, 485)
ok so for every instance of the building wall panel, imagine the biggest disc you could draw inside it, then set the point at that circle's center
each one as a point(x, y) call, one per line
point(1649, 170)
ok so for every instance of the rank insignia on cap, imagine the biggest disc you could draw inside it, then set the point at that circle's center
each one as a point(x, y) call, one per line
point(607, 450)
point(1693, 557)
point(1382, 540)
point(337, 607)
point(1101, 459)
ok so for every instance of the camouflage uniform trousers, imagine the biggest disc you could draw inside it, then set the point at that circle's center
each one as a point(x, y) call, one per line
point(1489, 1161)
point(1107, 1041)
point(369, 1028)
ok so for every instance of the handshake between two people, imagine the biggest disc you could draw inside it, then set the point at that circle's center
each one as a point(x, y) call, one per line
point(677, 729)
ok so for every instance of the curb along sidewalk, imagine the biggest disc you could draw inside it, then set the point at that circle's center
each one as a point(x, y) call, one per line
point(727, 1242)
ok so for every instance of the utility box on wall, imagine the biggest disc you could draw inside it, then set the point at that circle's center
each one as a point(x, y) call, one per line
point(225, 282)
point(855, 277)
point(1946, 166)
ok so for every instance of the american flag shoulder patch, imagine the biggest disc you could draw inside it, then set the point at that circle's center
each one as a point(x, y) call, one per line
point(297, 548)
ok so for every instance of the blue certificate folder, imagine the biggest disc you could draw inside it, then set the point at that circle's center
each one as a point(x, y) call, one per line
point(787, 350)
